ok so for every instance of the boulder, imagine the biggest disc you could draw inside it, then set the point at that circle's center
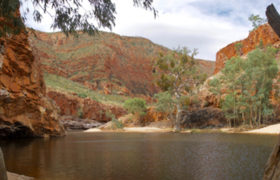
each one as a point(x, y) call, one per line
point(74, 123)
point(208, 117)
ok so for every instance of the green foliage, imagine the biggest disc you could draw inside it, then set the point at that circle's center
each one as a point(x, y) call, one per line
point(256, 20)
point(136, 106)
point(238, 48)
point(248, 86)
point(116, 124)
point(165, 102)
point(82, 95)
point(13, 23)
point(68, 15)
point(176, 73)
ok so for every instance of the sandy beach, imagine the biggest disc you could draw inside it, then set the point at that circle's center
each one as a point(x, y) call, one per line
point(132, 129)
point(271, 129)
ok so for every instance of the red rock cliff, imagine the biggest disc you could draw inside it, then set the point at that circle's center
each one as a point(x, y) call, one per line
point(71, 105)
point(263, 33)
point(24, 108)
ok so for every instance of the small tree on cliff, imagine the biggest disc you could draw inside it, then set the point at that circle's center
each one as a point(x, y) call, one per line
point(69, 15)
point(256, 20)
point(177, 74)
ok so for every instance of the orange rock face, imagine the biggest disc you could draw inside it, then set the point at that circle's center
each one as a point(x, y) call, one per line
point(263, 33)
point(71, 105)
point(153, 116)
point(99, 112)
point(24, 108)
point(67, 105)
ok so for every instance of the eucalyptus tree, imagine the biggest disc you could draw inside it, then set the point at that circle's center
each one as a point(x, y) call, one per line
point(256, 20)
point(248, 85)
point(176, 73)
point(68, 15)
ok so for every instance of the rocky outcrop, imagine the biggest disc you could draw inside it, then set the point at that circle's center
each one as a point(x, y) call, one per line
point(204, 118)
point(153, 116)
point(68, 105)
point(100, 112)
point(273, 18)
point(75, 123)
point(24, 108)
point(263, 33)
point(84, 108)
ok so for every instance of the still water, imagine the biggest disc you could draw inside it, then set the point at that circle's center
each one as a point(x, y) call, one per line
point(133, 156)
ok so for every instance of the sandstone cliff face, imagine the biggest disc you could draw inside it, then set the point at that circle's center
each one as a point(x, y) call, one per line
point(24, 108)
point(263, 33)
point(72, 105)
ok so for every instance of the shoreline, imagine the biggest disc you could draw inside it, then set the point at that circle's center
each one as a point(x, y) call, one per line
point(267, 130)
point(14, 176)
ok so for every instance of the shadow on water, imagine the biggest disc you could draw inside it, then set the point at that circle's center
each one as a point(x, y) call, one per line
point(140, 156)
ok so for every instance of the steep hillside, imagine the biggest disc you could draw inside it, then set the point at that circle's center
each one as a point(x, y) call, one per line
point(106, 62)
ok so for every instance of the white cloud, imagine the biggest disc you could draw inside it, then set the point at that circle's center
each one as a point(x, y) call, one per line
point(207, 25)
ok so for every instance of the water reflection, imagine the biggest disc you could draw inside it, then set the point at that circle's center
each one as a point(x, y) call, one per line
point(140, 156)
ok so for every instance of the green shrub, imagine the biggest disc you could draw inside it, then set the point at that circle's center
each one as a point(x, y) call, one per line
point(136, 106)
point(116, 124)
point(82, 95)
point(165, 102)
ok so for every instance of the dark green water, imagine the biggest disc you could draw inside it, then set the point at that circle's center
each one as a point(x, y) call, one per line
point(132, 156)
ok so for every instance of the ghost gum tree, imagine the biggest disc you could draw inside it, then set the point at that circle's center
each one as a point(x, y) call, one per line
point(176, 73)
point(68, 15)
point(247, 85)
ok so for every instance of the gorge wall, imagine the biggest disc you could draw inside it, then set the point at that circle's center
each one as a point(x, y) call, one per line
point(24, 108)
point(106, 62)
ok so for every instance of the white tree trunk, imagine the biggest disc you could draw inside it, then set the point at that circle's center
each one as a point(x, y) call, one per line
point(177, 126)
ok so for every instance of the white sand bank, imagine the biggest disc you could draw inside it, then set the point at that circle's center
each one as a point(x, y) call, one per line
point(131, 129)
point(272, 129)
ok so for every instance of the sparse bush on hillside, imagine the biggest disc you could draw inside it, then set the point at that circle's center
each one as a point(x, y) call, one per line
point(66, 85)
point(116, 124)
point(82, 95)
point(136, 106)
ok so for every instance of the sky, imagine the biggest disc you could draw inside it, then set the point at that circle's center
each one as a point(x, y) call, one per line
point(207, 25)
